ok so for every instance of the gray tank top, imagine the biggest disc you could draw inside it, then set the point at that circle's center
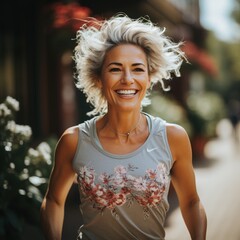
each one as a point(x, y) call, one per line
point(123, 197)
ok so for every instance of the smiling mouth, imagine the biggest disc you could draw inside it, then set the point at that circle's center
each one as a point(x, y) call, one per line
point(126, 92)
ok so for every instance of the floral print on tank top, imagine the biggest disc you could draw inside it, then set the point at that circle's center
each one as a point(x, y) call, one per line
point(119, 188)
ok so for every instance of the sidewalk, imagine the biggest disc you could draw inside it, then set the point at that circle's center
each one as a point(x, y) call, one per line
point(218, 184)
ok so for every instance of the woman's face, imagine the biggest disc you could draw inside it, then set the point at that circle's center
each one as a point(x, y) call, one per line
point(124, 77)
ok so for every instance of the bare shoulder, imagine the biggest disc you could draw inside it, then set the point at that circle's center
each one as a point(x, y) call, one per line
point(175, 131)
point(69, 136)
point(67, 143)
point(178, 139)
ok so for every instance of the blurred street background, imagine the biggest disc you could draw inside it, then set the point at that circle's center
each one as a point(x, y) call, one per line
point(38, 101)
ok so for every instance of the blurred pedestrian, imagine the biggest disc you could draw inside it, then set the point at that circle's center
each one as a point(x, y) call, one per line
point(124, 158)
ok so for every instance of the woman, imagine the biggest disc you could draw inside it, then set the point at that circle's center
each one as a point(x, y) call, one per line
point(124, 158)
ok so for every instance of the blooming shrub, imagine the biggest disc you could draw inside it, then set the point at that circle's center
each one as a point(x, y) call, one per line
point(23, 173)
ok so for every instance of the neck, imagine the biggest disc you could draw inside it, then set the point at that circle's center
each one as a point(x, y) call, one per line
point(123, 125)
point(127, 133)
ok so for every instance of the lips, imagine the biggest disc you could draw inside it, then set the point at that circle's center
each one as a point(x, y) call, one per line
point(127, 92)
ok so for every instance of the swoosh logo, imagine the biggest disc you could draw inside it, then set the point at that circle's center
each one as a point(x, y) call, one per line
point(151, 149)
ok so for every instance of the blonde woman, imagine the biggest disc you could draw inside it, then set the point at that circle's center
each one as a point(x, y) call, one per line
point(124, 158)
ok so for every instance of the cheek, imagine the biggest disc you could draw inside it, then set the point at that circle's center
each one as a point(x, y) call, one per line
point(146, 81)
point(106, 87)
point(110, 80)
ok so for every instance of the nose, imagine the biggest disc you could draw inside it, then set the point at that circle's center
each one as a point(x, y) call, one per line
point(127, 78)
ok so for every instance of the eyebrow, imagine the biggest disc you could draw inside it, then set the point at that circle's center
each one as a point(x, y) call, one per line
point(119, 64)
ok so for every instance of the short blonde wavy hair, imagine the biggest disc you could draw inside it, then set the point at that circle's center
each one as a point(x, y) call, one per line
point(164, 57)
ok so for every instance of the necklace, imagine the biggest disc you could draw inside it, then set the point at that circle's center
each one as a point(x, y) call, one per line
point(127, 133)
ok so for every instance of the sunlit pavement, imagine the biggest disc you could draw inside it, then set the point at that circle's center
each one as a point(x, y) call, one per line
point(218, 183)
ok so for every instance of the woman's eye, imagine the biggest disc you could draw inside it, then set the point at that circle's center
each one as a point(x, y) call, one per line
point(139, 70)
point(115, 70)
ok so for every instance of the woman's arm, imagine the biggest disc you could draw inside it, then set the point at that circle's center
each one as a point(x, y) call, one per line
point(61, 180)
point(183, 180)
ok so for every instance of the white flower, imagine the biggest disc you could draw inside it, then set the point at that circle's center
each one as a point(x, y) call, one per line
point(13, 103)
point(23, 176)
point(120, 170)
point(45, 151)
point(33, 153)
point(140, 184)
point(22, 192)
point(34, 192)
point(161, 168)
point(37, 180)
point(38, 173)
point(8, 146)
point(11, 126)
point(162, 176)
point(32, 157)
point(87, 174)
point(27, 160)
point(24, 130)
point(42, 153)
point(4, 110)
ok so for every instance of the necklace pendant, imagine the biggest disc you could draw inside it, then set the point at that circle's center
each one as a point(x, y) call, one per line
point(128, 133)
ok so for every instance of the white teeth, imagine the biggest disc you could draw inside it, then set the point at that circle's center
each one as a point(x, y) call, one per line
point(126, 92)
